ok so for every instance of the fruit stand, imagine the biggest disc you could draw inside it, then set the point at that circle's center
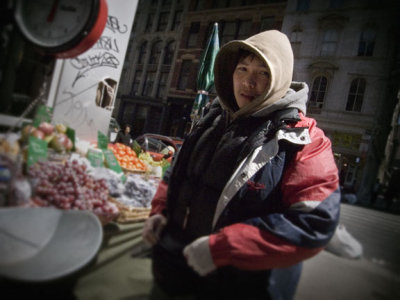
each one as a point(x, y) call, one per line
point(113, 181)
point(45, 167)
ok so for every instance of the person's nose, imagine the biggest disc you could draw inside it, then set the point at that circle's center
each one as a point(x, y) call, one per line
point(249, 81)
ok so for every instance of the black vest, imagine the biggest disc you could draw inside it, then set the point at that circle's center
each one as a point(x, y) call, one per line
point(207, 160)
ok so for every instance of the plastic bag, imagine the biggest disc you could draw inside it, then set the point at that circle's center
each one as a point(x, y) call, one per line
point(343, 244)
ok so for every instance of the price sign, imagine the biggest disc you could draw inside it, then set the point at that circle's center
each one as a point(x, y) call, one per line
point(37, 150)
point(102, 141)
point(111, 161)
point(96, 158)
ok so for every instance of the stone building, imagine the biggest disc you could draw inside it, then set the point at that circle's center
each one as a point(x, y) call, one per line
point(158, 85)
point(345, 51)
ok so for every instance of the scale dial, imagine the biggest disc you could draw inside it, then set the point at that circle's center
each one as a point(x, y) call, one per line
point(63, 28)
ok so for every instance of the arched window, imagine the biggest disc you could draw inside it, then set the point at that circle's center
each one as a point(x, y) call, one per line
point(169, 53)
point(162, 84)
point(148, 83)
point(193, 33)
point(136, 83)
point(163, 21)
point(367, 42)
point(356, 95)
point(185, 74)
point(142, 53)
point(318, 91)
point(155, 52)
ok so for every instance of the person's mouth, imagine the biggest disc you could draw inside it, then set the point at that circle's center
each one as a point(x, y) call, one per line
point(248, 97)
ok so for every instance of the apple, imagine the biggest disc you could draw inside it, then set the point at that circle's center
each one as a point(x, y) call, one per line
point(38, 133)
point(61, 142)
point(46, 127)
point(61, 128)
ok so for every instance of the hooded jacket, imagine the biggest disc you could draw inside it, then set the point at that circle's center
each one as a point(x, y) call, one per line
point(278, 203)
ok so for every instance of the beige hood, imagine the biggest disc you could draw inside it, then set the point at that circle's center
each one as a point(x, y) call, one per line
point(273, 47)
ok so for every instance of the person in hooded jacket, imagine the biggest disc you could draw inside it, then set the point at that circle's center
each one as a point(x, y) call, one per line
point(254, 190)
point(124, 136)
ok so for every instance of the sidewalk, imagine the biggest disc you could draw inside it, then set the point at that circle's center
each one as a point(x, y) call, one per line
point(119, 275)
point(329, 277)
point(324, 277)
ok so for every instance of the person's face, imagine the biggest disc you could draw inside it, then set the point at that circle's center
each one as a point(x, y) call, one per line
point(250, 79)
point(127, 129)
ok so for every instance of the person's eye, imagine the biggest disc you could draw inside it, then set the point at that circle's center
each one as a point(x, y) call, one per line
point(264, 73)
point(241, 68)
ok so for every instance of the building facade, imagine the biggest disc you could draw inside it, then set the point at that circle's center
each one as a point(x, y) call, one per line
point(158, 85)
point(345, 51)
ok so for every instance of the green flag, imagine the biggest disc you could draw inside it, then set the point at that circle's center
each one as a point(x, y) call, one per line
point(205, 76)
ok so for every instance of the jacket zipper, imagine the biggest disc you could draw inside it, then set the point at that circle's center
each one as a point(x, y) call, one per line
point(186, 218)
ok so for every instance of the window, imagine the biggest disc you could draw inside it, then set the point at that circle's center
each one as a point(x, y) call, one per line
point(148, 84)
point(228, 32)
point(295, 36)
point(161, 90)
point(136, 83)
point(177, 20)
point(199, 5)
point(329, 42)
point(250, 2)
point(149, 23)
point(244, 28)
point(169, 53)
point(335, 3)
point(267, 23)
point(162, 21)
point(367, 42)
point(155, 52)
point(220, 3)
point(185, 74)
point(356, 95)
point(295, 40)
point(318, 92)
point(239, 29)
point(193, 33)
point(142, 53)
point(303, 5)
point(233, 3)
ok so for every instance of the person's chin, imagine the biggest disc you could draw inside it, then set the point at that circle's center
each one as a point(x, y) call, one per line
point(243, 102)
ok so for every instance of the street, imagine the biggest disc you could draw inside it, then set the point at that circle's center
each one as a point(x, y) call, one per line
point(374, 276)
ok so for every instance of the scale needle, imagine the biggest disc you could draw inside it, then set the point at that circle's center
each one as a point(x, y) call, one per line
point(53, 10)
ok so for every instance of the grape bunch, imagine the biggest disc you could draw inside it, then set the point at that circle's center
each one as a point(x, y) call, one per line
point(69, 186)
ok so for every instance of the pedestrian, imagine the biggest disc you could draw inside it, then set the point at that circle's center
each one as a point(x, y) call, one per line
point(124, 136)
point(254, 188)
point(376, 189)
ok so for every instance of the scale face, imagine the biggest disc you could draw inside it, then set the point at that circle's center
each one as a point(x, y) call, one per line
point(63, 28)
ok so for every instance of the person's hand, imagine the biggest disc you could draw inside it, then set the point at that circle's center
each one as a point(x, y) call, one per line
point(198, 256)
point(153, 228)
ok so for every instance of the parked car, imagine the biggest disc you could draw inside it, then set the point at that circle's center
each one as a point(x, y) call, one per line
point(159, 146)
